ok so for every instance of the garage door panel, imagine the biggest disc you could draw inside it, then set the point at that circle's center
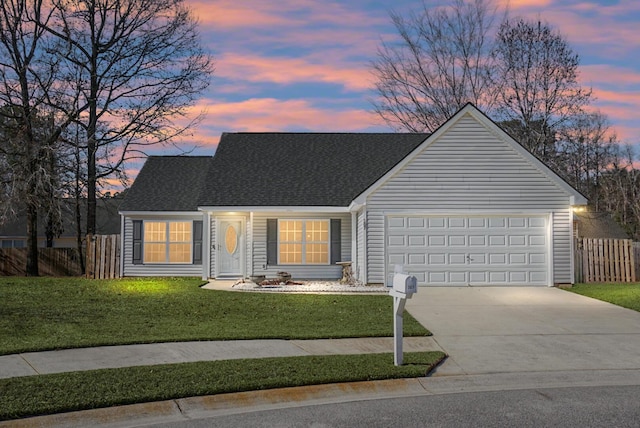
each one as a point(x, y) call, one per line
point(470, 250)
point(436, 277)
point(417, 222)
point(437, 241)
point(537, 241)
point(457, 241)
point(497, 240)
point(458, 259)
point(537, 222)
point(477, 240)
point(458, 278)
point(478, 277)
point(497, 259)
point(537, 258)
point(515, 240)
point(418, 259)
point(417, 241)
point(397, 259)
point(437, 259)
point(515, 222)
point(498, 277)
point(457, 222)
point(436, 223)
point(397, 241)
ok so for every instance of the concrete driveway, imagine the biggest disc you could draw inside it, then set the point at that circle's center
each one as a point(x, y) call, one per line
point(526, 329)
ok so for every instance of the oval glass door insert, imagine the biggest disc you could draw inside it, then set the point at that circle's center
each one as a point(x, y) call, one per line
point(231, 239)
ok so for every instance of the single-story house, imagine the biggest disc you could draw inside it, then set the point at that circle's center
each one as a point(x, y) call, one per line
point(597, 225)
point(464, 206)
point(13, 234)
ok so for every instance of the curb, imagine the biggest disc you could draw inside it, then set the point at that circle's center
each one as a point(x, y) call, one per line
point(183, 409)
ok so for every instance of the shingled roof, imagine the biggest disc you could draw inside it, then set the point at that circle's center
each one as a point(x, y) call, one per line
point(301, 169)
point(598, 225)
point(168, 183)
point(270, 169)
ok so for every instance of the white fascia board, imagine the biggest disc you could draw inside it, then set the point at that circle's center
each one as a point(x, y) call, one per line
point(296, 209)
point(357, 205)
point(160, 213)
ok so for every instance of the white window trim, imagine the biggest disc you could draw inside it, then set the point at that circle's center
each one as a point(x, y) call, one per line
point(304, 242)
point(167, 242)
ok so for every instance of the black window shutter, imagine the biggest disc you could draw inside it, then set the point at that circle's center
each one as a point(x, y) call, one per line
point(336, 243)
point(137, 242)
point(272, 241)
point(197, 242)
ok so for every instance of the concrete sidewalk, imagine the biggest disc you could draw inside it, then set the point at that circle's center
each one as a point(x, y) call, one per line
point(104, 357)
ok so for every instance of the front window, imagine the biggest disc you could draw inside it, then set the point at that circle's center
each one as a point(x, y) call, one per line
point(167, 242)
point(303, 241)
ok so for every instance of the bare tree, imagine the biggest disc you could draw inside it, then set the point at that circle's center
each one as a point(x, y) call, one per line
point(620, 191)
point(441, 62)
point(587, 148)
point(540, 92)
point(139, 65)
point(28, 71)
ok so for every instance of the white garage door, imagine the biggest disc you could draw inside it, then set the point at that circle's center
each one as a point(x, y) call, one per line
point(470, 250)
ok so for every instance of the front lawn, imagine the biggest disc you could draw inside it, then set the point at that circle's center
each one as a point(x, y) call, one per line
point(55, 393)
point(54, 313)
point(623, 294)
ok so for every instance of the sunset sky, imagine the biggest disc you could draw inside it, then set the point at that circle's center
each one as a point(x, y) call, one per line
point(303, 65)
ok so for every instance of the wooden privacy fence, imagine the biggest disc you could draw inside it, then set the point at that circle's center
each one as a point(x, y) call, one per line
point(51, 262)
point(103, 256)
point(606, 260)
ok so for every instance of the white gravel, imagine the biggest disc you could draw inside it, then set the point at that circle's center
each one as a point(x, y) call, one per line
point(311, 287)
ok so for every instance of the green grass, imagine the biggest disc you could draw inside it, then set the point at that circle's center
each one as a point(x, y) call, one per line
point(55, 393)
point(623, 294)
point(53, 313)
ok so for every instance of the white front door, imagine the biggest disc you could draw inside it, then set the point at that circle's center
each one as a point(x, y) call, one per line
point(230, 248)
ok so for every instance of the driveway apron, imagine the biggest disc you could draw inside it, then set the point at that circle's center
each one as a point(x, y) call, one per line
point(526, 329)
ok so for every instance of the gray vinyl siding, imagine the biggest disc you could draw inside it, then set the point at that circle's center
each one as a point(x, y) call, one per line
point(259, 238)
point(155, 269)
point(562, 247)
point(468, 170)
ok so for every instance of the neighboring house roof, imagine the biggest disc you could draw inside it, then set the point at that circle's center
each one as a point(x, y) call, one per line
point(168, 183)
point(598, 225)
point(107, 219)
point(301, 169)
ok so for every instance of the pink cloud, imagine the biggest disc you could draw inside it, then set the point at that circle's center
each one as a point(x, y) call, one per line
point(229, 14)
point(270, 114)
point(609, 75)
point(284, 70)
point(233, 14)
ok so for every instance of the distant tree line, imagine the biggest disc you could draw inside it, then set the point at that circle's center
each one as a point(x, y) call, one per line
point(85, 86)
point(523, 74)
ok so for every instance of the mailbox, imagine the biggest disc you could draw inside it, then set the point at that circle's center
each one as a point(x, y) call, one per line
point(406, 284)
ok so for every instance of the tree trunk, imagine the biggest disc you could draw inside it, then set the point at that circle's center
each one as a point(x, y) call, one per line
point(32, 240)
